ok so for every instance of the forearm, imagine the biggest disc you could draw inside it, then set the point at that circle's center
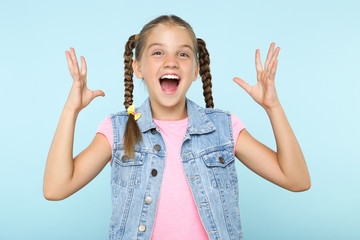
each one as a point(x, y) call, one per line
point(60, 165)
point(289, 154)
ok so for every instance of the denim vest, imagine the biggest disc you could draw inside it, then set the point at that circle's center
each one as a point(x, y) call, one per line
point(208, 160)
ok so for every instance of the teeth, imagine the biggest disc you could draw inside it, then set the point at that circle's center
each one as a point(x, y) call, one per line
point(170, 77)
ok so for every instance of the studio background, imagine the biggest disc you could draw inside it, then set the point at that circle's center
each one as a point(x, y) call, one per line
point(317, 82)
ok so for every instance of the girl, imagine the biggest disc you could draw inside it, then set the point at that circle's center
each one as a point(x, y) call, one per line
point(173, 162)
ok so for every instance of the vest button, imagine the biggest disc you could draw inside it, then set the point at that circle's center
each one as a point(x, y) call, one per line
point(124, 158)
point(154, 172)
point(157, 147)
point(142, 228)
point(153, 131)
point(221, 159)
point(148, 200)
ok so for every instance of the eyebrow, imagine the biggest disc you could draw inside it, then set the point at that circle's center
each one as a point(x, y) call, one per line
point(160, 44)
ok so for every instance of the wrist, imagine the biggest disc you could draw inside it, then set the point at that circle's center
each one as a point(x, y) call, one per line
point(274, 109)
point(70, 110)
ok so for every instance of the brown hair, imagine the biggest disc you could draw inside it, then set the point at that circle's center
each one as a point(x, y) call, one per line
point(132, 133)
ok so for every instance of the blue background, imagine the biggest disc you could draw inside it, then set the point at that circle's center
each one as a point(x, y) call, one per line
point(317, 83)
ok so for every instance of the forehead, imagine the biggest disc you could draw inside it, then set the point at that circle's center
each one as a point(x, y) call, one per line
point(170, 35)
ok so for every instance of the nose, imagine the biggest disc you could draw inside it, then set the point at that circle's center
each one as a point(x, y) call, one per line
point(171, 61)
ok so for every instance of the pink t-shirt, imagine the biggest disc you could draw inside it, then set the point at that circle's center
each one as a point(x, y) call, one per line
point(177, 216)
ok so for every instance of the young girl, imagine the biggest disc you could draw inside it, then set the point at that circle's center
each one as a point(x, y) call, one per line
point(173, 163)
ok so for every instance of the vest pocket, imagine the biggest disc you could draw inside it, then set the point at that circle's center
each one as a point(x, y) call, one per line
point(221, 168)
point(127, 171)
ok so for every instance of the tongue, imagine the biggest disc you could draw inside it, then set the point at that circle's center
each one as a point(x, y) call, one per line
point(169, 84)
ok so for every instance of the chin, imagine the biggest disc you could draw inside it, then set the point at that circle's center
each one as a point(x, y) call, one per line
point(170, 101)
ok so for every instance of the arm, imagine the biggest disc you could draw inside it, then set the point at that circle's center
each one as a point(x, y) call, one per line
point(286, 167)
point(64, 175)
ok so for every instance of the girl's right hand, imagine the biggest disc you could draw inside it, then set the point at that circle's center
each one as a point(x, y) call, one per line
point(80, 96)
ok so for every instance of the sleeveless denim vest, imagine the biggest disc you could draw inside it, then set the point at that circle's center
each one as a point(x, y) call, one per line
point(208, 160)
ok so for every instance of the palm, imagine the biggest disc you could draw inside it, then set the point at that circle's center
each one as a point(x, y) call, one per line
point(264, 92)
point(80, 96)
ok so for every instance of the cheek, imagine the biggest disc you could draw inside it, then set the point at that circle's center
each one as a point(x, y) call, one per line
point(192, 67)
point(195, 70)
point(149, 67)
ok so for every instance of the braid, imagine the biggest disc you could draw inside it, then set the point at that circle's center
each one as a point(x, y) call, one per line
point(128, 71)
point(132, 133)
point(204, 61)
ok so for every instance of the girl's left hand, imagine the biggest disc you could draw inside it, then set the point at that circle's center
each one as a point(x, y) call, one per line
point(263, 92)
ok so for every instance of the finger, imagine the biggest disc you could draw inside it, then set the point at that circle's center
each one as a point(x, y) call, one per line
point(75, 62)
point(83, 70)
point(69, 61)
point(98, 93)
point(273, 70)
point(258, 63)
point(270, 53)
point(83, 66)
point(274, 57)
point(242, 84)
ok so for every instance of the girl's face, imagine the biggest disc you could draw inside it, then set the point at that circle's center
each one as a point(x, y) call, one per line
point(168, 65)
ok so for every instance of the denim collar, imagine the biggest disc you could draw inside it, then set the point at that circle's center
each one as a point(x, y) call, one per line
point(199, 122)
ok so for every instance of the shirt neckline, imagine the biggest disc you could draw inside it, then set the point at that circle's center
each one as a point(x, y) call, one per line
point(172, 121)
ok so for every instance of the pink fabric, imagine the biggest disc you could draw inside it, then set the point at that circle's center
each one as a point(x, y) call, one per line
point(177, 216)
point(105, 128)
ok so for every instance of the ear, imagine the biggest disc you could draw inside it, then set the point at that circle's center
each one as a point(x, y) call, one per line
point(196, 71)
point(137, 69)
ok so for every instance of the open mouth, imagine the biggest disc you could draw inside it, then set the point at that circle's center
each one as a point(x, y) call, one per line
point(169, 83)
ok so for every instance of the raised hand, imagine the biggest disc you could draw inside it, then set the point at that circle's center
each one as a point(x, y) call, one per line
point(80, 96)
point(264, 92)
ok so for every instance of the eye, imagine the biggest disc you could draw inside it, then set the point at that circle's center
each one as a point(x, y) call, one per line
point(183, 54)
point(157, 53)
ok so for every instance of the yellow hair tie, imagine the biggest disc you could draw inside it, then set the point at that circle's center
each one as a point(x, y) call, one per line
point(131, 110)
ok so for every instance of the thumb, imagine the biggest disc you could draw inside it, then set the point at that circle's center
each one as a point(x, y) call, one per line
point(242, 84)
point(98, 93)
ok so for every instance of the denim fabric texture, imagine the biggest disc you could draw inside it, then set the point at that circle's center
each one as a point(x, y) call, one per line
point(208, 160)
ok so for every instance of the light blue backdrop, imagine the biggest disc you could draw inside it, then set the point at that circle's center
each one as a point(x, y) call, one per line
point(317, 81)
